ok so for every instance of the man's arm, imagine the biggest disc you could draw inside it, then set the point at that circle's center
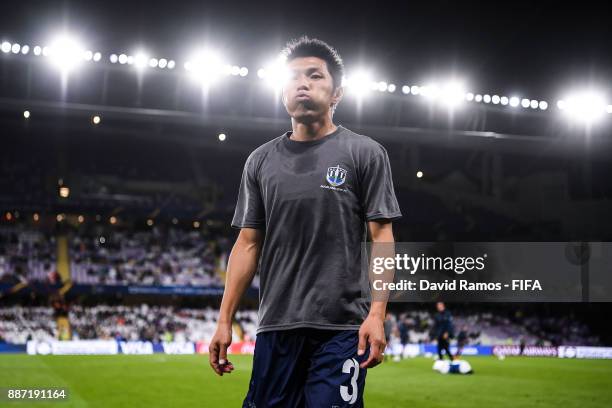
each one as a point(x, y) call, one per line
point(372, 330)
point(241, 268)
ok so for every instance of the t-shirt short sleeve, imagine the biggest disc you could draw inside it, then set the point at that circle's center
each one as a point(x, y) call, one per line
point(378, 195)
point(250, 212)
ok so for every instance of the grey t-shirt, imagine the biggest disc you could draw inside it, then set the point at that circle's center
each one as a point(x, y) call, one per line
point(313, 199)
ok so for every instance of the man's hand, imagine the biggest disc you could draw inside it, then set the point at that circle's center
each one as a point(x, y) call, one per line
point(218, 349)
point(372, 332)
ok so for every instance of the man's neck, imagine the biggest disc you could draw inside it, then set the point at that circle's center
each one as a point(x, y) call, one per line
point(303, 132)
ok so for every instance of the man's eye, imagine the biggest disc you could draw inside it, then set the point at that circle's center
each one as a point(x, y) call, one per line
point(316, 76)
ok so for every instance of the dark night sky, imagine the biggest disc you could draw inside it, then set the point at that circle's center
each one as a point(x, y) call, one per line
point(537, 50)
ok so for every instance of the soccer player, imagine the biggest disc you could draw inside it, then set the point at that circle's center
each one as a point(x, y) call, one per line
point(305, 203)
point(462, 340)
point(443, 330)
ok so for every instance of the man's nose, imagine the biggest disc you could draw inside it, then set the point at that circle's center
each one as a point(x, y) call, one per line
point(302, 83)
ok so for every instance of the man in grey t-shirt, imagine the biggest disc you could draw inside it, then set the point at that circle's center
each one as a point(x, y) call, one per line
point(306, 201)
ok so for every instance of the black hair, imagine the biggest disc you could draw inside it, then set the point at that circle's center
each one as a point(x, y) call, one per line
point(313, 47)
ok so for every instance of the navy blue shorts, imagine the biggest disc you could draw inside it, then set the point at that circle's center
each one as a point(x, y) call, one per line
point(306, 368)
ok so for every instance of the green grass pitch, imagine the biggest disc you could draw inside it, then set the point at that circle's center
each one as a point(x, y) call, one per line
point(187, 381)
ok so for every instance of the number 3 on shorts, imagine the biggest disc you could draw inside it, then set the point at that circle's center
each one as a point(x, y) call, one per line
point(351, 396)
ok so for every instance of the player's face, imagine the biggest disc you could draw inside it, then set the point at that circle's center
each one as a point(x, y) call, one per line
point(309, 91)
point(440, 306)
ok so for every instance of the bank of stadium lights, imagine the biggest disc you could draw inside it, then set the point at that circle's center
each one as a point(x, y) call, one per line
point(360, 83)
point(453, 93)
point(450, 94)
point(208, 66)
point(586, 106)
point(141, 61)
point(275, 73)
point(66, 53)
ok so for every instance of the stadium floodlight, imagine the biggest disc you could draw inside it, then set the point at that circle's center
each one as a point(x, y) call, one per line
point(525, 103)
point(113, 58)
point(163, 63)
point(141, 60)
point(171, 64)
point(222, 137)
point(97, 56)
point(504, 100)
point(469, 96)
point(153, 62)
point(37, 50)
point(543, 105)
point(205, 66)
point(6, 47)
point(275, 72)
point(359, 83)
point(15, 48)
point(123, 59)
point(26, 114)
point(405, 89)
point(244, 71)
point(65, 52)
point(495, 99)
point(415, 90)
point(382, 86)
point(586, 106)
point(534, 104)
point(391, 88)
point(486, 98)
point(515, 101)
point(478, 98)
point(609, 109)
point(25, 49)
point(430, 91)
point(452, 94)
